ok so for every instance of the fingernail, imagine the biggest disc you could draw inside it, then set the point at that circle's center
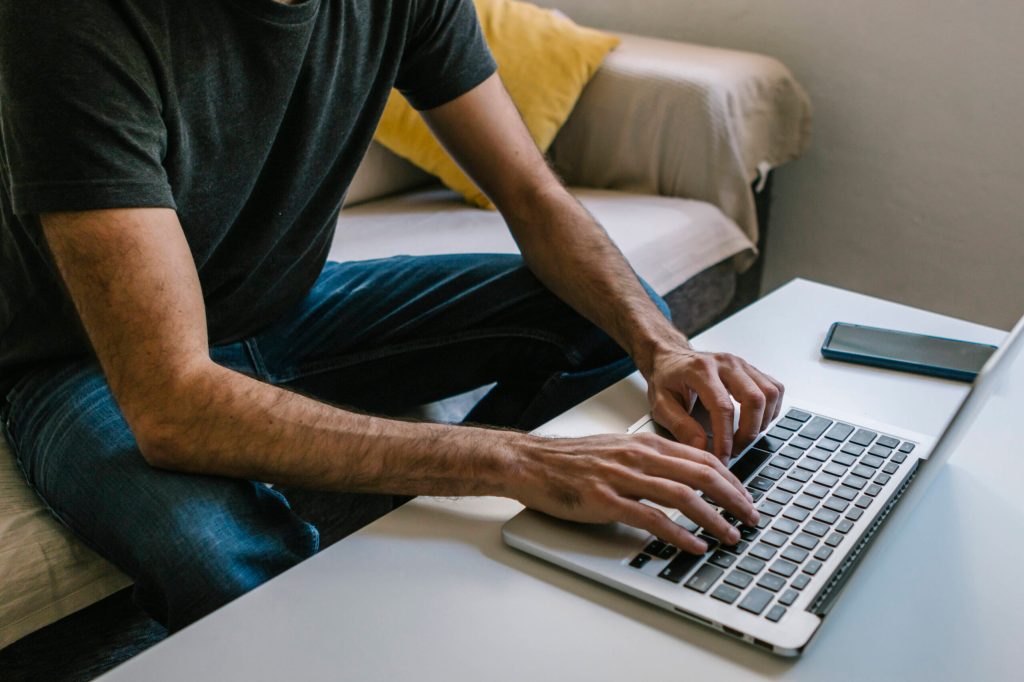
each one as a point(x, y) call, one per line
point(750, 498)
point(702, 547)
point(754, 518)
point(734, 536)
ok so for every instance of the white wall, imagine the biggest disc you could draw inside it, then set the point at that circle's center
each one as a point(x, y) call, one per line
point(914, 187)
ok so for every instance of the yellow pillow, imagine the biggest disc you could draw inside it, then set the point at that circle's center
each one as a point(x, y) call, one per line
point(544, 60)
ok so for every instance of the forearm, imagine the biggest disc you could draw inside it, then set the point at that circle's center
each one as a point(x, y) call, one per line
point(216, 421)
point(571, 253)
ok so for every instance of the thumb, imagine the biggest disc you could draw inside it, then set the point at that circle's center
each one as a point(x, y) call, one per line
point(669, 411)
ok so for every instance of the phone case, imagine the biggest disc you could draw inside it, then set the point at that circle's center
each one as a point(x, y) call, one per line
point(901, 365)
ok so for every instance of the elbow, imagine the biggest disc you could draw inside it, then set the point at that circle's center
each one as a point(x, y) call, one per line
point(161, 443)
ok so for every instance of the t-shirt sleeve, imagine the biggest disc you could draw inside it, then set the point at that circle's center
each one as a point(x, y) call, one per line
point(80, 112)
point(445, 53)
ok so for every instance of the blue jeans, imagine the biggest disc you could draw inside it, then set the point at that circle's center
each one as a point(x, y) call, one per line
point(378, 336)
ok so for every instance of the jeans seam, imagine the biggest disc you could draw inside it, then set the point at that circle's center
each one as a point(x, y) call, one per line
point(333, 364)
point(257, 358)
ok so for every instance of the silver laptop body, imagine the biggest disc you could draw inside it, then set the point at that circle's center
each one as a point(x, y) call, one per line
point(775, 587)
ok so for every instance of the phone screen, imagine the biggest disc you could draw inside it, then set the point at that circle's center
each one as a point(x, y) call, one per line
point(916, 348)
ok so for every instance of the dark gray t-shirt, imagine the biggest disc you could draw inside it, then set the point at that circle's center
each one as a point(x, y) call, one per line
point(249, 117)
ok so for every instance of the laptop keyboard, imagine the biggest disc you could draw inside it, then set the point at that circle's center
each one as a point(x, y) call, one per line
point(812, 478)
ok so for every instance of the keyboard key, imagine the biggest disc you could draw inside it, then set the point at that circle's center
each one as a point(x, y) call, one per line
point(738, 548)
point(667, 552)
point(798, 415)
point(846, 493)
point(907, 447)
point(789, 485)
point(816, 427)
point(882, 479)
point(772, 473)
point(834, 539)
point(879, 451)
point(899, 458)
point(863, 437)
point(749, 463)
point(722, 559)
point(788, 597)
point(855, 514)
point(872, 461)
point(750, 565)
point(853, 449)
point(805, 541)
point(739, 579)
point(816, 490)
point(770, 581)
point(763, 522)
point(704, 578)
point(654, 547)
point(836, 504)
point(686, 524)
point(770, 443)
point(823, 553)
point(640, 560)
point(839, 432)
point(782, 462)
point(794, 554)
point(855, 482)
point(769, 508)
point(786, 526)
point(761, 483)
point(826, 516)
point(756, 600)
point(835, 469)
point(711, 542)
point(800, 582)
point(755, 493)
point(726, 593)
point(801, 475)
point(780, 433)
point(806, 501)
point(816, 528)
point(801, 442)
point(844, 526)
point(827, 480)
point(763, 551)
point(680, 566)
point(862, 471)
point(873, 490)
point(789, 424)
point(819, 454)
point(796, 513)
point(864, 502)
point(774, 538)
point(775, 613)
point(780, 497)
point(888, 441)
point(827, 445)
point(748, 533)
point(812, 567)
point(809, 463)
point(791, 452)
point(783, 568)
point(890, 468)
point(844, 459)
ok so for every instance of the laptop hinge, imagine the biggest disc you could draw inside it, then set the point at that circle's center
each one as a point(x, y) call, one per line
point(824, 600)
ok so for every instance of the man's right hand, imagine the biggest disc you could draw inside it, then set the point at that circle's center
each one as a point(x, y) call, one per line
point(601, 479)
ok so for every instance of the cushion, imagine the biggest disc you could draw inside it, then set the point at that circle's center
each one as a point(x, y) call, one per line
point(544, 60)
point(667, 240)
point(45, 573)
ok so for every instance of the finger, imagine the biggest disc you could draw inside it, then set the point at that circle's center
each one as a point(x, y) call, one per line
point(683, 497)
point(672, 450)
point(752, 402)
point(654, 521)
point(716, 400)
point(668, 410)
point(707, 479)
point(773, 392)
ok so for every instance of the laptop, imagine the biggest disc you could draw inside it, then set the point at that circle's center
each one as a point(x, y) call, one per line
point(823, 485)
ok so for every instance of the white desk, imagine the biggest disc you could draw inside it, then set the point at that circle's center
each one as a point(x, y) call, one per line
point(430, 593)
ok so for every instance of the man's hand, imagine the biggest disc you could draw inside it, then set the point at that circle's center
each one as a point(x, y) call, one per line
point(601, 479)
point(678, 375)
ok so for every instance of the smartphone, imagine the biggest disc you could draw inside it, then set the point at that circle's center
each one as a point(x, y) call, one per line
point(931, 355)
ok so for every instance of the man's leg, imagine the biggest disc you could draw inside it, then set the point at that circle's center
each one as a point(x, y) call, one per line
point(190, 543)
point(389, 334)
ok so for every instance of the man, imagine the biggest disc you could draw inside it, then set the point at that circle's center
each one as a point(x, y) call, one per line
point(170, 335)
